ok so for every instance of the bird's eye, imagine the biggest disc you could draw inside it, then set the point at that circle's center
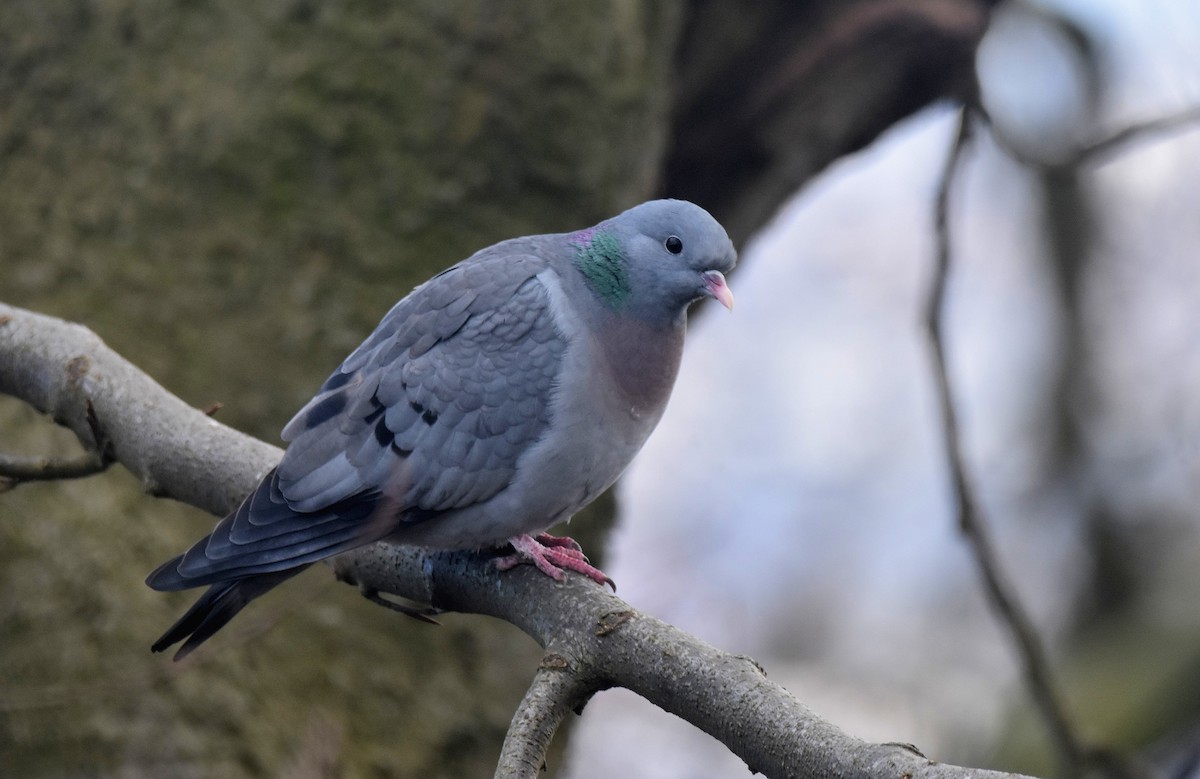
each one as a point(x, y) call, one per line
point(673, 244)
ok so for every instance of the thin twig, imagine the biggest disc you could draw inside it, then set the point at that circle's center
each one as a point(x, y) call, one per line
point(970, 517)
point(1099, 152)
point(16, 470)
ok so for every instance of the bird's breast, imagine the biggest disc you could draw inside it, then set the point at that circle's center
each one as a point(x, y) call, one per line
point(642, 362)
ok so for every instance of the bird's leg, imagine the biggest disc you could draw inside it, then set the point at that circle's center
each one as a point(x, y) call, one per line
point(551, 555)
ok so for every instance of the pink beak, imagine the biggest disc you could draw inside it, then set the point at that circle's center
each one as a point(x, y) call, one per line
point(714, 282)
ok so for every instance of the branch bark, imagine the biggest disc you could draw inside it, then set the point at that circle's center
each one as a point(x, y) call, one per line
point(65, 371)
point(593, 640)
point(14, 469)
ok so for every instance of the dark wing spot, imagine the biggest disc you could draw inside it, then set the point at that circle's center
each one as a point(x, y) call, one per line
point(401, 452)
point(429, 416)
point(417, 407)
point(376, 413)
point(419, 514)
point(337, 380)
point(382, 434)
point(325, 410)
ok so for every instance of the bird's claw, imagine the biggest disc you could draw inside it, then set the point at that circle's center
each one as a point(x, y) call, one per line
point(552, 555)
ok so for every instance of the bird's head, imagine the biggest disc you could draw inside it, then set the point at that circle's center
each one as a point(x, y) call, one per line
point(656, 258)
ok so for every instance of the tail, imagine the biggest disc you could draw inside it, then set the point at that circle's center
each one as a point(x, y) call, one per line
point(261, 544)
point(215, 607)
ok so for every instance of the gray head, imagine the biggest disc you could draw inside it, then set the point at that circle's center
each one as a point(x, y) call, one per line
point(654, 259)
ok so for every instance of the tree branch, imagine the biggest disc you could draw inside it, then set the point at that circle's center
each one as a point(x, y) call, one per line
point(1102, 150)
point(555, 692)
point(1073, 755)
point(599, 641)
point(769, 93)
point(593, 639)
point(64, 370)
point(16, 470)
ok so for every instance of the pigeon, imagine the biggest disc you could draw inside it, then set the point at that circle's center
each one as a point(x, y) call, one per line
point(494, 401)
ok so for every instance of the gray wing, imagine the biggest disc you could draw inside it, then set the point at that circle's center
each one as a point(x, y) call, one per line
point(430, 414)
point(435, 408)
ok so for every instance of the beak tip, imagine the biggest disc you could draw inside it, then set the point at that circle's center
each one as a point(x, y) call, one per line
point(714, 282)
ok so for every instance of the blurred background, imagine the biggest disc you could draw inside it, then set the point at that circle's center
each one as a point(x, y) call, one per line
point(231, 196)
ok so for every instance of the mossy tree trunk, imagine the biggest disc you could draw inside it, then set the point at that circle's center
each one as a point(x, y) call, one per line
point(232, 194)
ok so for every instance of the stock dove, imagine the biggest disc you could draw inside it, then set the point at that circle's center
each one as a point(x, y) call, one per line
point(494, 401)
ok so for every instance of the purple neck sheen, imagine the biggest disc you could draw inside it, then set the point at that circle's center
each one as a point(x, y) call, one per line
point(603, 264)
point(583, 237)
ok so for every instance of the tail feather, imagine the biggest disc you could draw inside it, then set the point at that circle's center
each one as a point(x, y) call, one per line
point(166, 577)
point(215, 608)
point(261, 544)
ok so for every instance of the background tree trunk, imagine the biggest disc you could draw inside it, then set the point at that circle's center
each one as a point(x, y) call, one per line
point(232, 194)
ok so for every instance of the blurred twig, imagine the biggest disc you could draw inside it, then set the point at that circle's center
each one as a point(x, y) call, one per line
point(970, 517)
point(1077, 757)
point(1097, 151)
point(1101, 150)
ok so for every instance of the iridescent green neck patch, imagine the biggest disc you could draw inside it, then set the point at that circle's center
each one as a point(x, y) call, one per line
point(603, 265)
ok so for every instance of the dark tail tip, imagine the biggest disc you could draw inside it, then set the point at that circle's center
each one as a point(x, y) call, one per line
point(214, 609)
point(206, 616)
point(166, 577)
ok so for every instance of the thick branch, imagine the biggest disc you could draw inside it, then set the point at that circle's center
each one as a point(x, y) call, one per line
point(597, 639)
point(769, 93)
point(64, 370)
point(603, 642)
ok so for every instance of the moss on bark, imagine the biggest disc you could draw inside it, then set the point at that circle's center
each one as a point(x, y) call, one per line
point(232, 194)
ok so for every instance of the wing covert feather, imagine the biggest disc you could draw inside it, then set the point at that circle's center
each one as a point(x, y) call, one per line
point(436, 407)
point(430, 414)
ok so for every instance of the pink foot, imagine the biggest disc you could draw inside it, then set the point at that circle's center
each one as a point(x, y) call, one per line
point(552, 555)
point(563, 542)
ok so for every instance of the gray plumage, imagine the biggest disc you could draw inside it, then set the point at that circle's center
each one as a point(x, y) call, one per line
point(495, 400)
